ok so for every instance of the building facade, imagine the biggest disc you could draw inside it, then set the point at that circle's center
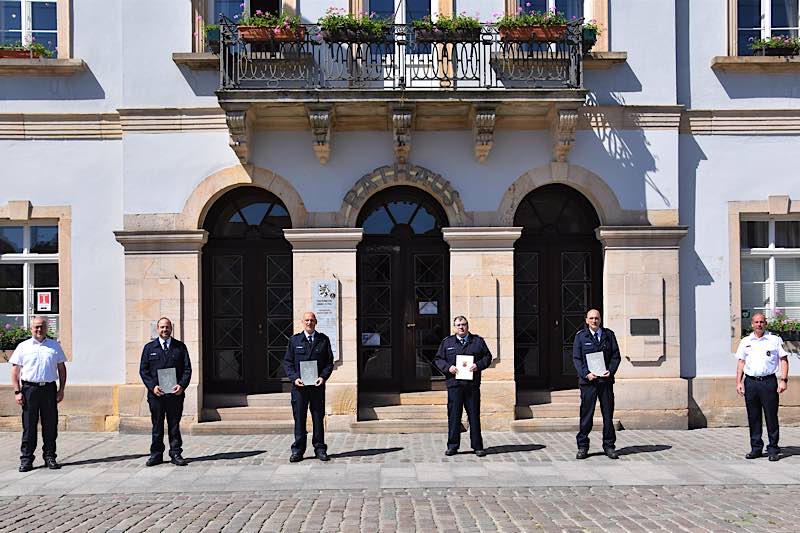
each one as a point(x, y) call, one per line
point(515, 183)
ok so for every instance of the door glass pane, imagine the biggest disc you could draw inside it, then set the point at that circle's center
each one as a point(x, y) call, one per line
point(532, 5)
point(417, 9)
point(749, 13)
point(570, 8)
point(226, 301)
point(10, 239)
point(377, 363)
point(11, 15)
point(784, 15)
point(45, 275)
point(754, 234)
point(43, 15)
point(10, 276)
point(44, 239)
point(382, 8)
point(787, 277)
point(228, 365)
point(755, 269)
point(226, 270)
point(229, 8)
point(11, 302)
point(787, 234)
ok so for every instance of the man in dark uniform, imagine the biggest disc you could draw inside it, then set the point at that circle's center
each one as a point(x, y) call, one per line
point(463, 393)
point(590, 339)
point(160, 353)
point(36, 364)
point(309, 345)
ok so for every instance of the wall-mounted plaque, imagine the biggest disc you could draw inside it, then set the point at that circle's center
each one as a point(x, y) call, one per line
point(325, 304)
point(645, 327)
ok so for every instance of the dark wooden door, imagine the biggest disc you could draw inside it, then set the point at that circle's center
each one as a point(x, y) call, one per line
point(403, 298)
point(557, 277)
point(247, 294)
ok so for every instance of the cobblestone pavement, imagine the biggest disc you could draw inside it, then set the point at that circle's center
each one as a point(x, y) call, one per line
point(665, 480)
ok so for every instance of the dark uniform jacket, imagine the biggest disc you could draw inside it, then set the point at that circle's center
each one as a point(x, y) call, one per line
point(585, 343)
point(298, 350)
point(450, 348)
point(154, 358)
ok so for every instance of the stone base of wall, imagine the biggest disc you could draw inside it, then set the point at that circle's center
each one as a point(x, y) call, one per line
point(497, 405)
point(713, 402)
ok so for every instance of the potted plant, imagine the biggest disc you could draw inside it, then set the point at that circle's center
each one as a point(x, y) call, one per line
point(264, 27)
point(24, 51)
point(544, 26)
point(461, 28)
point(589, 34)
point(786, 328)
point(10, 336)
point(776, 45)
point(211, 32)
point(338, 25)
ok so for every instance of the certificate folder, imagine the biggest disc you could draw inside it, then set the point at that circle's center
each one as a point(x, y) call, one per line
point(308, 372)
point(463, 365)
point(596, 362)
point(167, 379)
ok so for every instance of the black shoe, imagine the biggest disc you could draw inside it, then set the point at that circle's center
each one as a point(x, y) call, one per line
point(480, 453)
point(774, 457)
point(51, 463)
point(295, 458)
point(25, 467)
point(755, 454)
point(323, 455)
point(611, 453)
point(450, 452)
point(154, 460)
point(177, 460)
point(583, 453)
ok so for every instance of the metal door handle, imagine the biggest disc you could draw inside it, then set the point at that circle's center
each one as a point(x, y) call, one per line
point(260, 329)
point(556, 323)
point(410, 325)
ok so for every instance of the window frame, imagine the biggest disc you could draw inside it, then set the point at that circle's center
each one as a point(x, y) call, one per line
point(592, 10)
point(733, 24)
point(203, 11)
point(62, 32)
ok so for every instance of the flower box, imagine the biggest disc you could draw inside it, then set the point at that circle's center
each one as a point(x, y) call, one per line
point(261, 34)
point(779, 51)
point(18, 54)
point(588, 39)
point(354, 36)
point(449, 36)
point(550, 33)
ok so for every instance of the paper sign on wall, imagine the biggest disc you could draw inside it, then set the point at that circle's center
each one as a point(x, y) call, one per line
point(325, 304)
point(43, 301)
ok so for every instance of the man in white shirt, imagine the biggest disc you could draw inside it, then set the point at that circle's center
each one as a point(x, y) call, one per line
point(35, 365)
point(760, 355)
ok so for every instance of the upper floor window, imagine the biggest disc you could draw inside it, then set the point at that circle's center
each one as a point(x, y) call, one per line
point(232, 9)
point(29, 283)
point(757, 19)
point(770, 255)
point(570, 8)
point(28, 21)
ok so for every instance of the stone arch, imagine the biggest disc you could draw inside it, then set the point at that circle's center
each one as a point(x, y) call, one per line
point(389, 176)
point(592, 186)
point(210, 189)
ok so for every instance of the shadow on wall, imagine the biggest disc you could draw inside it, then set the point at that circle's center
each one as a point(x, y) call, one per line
point(81, 86)
point(693, 272)
point(743, 85)
point(606, 85)
point(202, 82)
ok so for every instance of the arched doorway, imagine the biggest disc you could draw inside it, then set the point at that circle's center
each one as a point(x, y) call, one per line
point(557, 276)
point(247, 293)
point(403, 290)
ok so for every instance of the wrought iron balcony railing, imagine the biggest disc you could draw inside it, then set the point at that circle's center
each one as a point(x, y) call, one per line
point(401, 59)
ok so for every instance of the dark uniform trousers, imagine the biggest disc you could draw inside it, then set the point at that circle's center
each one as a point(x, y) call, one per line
point(590, 392)
point(171, 407)
point(460, 397)
point(39, 402)
point(762, 395)
point(302, 397)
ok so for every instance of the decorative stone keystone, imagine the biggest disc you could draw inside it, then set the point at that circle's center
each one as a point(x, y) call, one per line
point(483, 130)
point(320, 120)
point(565, 123)
point(238, 122)
point(401, 131)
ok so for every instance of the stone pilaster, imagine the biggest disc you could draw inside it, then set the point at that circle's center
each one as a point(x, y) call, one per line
point(162, 278)
point(482, 289)
point(326, 253)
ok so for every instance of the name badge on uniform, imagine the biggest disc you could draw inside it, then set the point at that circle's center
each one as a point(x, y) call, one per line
point(451, 348)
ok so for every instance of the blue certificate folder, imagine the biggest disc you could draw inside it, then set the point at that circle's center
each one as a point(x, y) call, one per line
point(167, 379)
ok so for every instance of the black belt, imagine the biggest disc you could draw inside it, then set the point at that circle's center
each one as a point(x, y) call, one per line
point(761, 378)
point(37, 383)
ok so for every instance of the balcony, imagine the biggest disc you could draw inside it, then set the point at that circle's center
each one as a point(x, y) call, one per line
point(400, 81)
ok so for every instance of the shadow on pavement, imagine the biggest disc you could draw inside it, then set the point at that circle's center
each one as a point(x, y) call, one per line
point(112, 459)
point(512, 448)
point(225, 456)
point(787, 451)
point(645, 448)
point(364, 453)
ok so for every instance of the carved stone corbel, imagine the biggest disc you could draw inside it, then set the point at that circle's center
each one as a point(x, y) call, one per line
point(565, 123)
point(483, 132)
point(401, 133)
point(240, 132)
point(320, 120)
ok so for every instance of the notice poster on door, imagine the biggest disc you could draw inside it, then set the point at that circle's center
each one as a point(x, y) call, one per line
point(325, 304)
point(43, 301)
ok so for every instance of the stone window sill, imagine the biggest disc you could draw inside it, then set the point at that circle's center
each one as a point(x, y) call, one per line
point(603, 60)
point(763, 64)
point(41, 67)
point(196, 60)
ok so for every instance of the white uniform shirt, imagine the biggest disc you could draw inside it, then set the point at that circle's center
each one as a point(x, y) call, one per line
point(39, 360)
point(761, 355)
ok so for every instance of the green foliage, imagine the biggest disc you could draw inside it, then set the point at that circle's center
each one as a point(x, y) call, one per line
point(443, 23)
point(592, 25)
point(38, 49)
point(779, 323)
point(265, 19)
point(775, 41)
point(10, 336)
point(531, 18)
point(337, 19)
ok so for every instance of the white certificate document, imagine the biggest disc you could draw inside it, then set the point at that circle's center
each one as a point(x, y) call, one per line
point(463, 365)
point(596, 363)
point(309, 372)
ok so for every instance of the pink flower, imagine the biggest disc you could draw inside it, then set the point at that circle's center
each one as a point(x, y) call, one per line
point(8, 326)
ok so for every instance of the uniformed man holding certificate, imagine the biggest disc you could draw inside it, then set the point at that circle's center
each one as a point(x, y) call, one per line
point(595, 354)
point(462, 357)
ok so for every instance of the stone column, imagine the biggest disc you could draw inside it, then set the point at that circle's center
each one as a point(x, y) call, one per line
point(162, 278)
point(326, 253)
point(482, 289)
point(642, 306)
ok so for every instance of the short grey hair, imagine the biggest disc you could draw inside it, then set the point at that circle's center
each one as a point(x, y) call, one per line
point(460, 317)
